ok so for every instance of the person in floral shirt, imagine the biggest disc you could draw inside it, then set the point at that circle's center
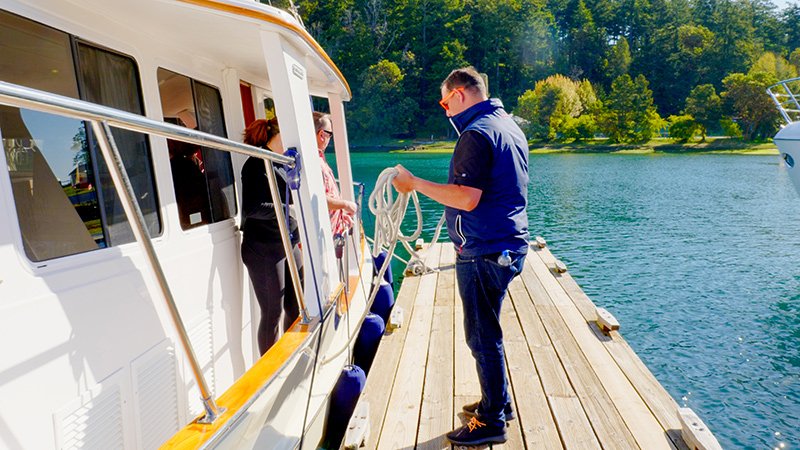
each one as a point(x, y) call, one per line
point(341, 210)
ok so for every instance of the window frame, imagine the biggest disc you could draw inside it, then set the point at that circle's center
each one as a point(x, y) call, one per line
point(194, 79)
point(75, 42)
point(9, 202)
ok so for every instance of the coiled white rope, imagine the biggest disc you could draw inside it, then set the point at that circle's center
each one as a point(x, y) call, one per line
point(389, 215)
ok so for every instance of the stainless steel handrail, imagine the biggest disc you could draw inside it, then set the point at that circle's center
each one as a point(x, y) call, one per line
point(22, 97)
point(101, 119)
point(125, 190)
point(792, 99)
point(286, 240)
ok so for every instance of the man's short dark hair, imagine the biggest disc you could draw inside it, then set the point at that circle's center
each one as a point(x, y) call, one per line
point(466, 77)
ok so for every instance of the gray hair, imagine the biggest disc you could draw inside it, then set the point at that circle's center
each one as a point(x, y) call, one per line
point(320, 120)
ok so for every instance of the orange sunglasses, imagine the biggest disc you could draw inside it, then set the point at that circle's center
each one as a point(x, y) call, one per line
point(452, 93)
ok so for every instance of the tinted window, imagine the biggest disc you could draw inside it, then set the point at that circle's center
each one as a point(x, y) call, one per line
point(202, 177)
point(112, 80)
point(64, 199)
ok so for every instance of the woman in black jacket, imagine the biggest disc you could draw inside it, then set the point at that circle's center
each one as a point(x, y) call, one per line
point(262, 248)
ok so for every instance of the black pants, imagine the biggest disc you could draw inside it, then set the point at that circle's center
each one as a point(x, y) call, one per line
point(269, 271)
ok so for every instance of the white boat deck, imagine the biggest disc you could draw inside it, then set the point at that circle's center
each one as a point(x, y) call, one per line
point(573, 387)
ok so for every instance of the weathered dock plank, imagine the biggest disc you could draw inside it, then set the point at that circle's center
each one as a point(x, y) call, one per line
point(641, 423)
point(533, 412)
point(437, 398)
point(402, 416)
point(384, 368)
point(572, 386)
point(663, 407)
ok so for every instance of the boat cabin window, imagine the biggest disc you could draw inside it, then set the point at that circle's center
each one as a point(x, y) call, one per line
point(202, 177)
point(64, 196)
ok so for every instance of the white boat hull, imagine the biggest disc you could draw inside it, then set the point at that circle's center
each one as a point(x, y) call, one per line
point(788, 142)
point(92, 357)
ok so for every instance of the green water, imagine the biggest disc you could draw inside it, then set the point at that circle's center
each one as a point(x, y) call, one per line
point(697, 256)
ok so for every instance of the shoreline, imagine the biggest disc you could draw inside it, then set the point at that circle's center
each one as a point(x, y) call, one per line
point(597, 146)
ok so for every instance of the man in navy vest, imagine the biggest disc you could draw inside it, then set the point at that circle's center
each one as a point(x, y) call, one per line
point(485, 200)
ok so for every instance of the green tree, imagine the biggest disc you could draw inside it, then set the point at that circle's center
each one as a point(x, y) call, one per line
point(705, 107)
point(433, 31)
point(577, 128)
point(551, 101)
point(682, 128)
point(695, 42)
point(587, 96)
point(538, 108)
point(790, 18)
point(511, 58)
point(618, 61)
point(382, 109)
point(325, 22)
point(584, 45)
point(730, 128)
point(794, 59)
point(744, 97)
point(775, 65)
point(735, 43)
point(80, 148)
point(629, 114)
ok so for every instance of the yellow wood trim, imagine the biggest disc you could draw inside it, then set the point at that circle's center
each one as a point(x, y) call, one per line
point(343, 306)
point(266, 17)
point(194, 435)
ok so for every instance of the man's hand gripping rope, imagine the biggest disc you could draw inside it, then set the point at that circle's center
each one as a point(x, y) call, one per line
point(389, 214)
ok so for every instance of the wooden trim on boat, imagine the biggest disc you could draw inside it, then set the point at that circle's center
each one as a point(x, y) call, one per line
point(266, 17)
point(342, 307)
point(194, 435)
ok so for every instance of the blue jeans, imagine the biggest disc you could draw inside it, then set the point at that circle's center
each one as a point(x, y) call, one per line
point(482, 284)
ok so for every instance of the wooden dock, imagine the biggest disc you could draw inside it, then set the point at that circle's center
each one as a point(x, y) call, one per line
point(573, 387)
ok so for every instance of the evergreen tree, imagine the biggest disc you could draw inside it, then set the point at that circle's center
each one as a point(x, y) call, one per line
point(629, 114)
point(584, 44)
point(619, 60)
point(382, 109)
point(705, 107)
point(790, 18)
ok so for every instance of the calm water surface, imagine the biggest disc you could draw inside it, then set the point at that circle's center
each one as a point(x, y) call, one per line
point(697, 256)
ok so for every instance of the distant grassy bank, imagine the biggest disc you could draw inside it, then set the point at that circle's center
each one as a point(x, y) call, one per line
point(658, 145)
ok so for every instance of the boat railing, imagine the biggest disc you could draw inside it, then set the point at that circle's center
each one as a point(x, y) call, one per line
point(102, 119)
point(785, 95)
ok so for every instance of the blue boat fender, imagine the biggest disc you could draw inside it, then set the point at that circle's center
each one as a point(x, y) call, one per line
point(384, 300)
point(369, 337)
point(343, 401)
point(378, 263)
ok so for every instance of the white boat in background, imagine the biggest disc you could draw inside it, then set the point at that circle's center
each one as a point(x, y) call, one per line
point(124, 316)
point(785, 95)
